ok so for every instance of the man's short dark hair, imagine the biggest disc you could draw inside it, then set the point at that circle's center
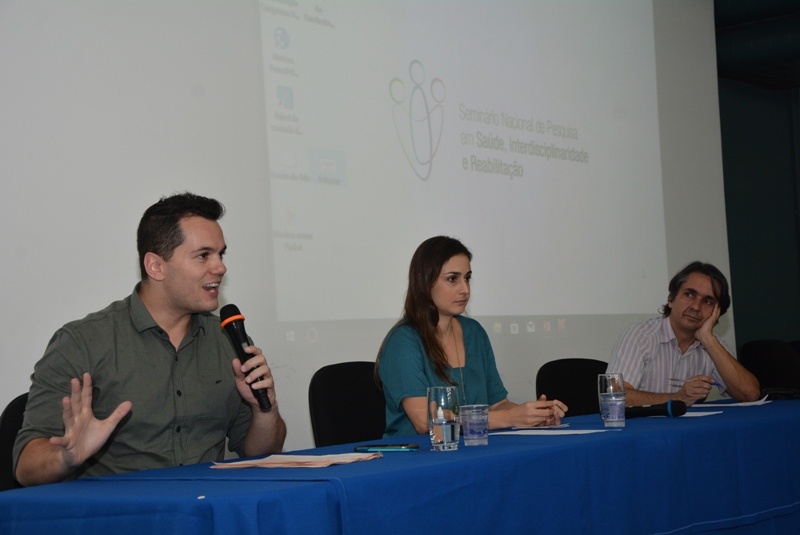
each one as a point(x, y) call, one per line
point(718, 282)
point(159, 229)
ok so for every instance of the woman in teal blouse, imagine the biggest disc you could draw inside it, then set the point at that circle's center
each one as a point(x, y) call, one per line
point(435, 345)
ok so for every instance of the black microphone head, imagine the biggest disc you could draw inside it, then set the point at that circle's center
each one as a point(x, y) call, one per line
point(229, 311)
point(233, 322)
point(677, 407)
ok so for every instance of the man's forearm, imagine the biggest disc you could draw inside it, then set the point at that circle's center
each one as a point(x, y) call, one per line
point(739, 382)
point(636, 398)
point(266, 434)
point(41, 462)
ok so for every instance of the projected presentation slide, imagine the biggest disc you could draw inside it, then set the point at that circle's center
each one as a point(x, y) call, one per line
point(528, 130)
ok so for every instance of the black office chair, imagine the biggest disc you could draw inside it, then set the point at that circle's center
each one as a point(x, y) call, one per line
point(573, 381)
point(345, 404)
point(10, 424)
point(775, 364)
point(796, 346)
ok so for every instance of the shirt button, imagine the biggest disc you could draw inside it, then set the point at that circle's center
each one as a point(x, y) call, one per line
point(180, 393)
point(178, 429)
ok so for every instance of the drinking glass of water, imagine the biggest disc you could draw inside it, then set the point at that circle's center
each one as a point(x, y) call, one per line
point(443, 423)
point(611, 391)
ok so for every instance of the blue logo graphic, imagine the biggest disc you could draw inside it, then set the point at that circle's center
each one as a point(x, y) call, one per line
point(281, 39)
point(285, 97)
point(418, 118)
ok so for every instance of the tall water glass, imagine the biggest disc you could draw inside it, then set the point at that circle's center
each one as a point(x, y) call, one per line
point(611, 391)
point(443, 417)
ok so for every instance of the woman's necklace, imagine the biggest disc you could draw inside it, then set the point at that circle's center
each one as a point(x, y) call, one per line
point(460, 368)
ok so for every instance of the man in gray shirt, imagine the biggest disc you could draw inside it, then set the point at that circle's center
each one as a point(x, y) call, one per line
point(152, 380)
point(678, 356)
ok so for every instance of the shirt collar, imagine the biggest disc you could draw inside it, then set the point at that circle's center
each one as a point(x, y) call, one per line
point(142, 320)
point(668, 335)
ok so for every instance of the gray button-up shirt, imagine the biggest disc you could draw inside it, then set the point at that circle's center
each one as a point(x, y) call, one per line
point(185, 402)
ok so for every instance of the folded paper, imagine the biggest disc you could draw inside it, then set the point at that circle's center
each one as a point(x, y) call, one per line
point(300, 461)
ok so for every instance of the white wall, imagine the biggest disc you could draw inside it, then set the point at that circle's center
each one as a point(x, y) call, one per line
point(106, 106)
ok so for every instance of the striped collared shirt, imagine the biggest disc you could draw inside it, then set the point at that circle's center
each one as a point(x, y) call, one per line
point(648, 356)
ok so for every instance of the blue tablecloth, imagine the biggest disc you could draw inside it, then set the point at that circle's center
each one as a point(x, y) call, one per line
point(738, 470)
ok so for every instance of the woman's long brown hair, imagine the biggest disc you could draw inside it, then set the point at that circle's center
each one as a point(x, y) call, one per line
point(420, 311)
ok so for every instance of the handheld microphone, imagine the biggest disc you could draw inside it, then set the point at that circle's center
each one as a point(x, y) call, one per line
point(672, 408)
point(233, 323)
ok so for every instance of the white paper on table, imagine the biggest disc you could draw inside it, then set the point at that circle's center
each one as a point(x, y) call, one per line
point(698, 413)
point(559, 426)
point(299, 461)
point(535, 431)
point(762, 401)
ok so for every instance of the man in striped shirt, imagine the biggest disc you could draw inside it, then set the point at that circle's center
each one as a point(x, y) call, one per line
point(678, 356)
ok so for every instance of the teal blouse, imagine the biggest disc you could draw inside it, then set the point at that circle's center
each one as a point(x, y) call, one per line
point(406, 371)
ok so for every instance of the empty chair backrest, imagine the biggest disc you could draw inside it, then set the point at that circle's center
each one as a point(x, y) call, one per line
point(573, 381)
point(10, 424)
point(775, 363)
point(796, 346)
point(345, 404)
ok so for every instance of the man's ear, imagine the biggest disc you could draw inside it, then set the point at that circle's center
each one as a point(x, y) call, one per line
point(154, 266)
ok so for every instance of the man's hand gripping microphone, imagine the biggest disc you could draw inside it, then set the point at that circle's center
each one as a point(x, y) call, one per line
point(233, 323)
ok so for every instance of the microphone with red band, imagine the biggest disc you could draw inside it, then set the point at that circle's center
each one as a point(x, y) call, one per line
point(233, 323)
point(672, 408)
